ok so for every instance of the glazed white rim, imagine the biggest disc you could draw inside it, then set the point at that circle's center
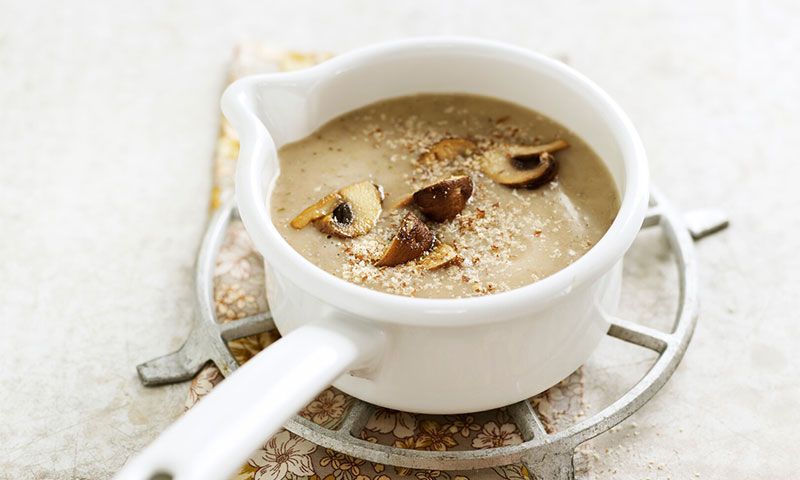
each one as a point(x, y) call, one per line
point(385, 307)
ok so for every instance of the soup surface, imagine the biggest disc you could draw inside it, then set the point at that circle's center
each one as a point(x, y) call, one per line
point(507, 235)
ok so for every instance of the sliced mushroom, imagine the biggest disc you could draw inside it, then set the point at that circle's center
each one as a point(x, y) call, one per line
point(447, 149)
point(355, 213)
point(440, 256)
point(324, 206)
point(444, 199)
point(522, 166)
point(411, 241)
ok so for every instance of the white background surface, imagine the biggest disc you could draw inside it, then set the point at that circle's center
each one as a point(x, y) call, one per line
point(108, 115)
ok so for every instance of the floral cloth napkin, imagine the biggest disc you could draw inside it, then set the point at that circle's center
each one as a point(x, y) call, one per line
point(239, 292)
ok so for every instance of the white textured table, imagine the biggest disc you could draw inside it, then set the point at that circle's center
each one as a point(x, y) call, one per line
point(107, 121)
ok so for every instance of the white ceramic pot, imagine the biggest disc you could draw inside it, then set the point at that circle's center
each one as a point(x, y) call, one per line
point(395, 351)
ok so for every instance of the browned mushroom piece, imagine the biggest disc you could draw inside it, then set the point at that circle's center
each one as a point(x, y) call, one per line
point(522, 166)
point(440, 256)
point(444, 199)
point(411, 241)
point(322, 207)
point(351, 212)
point(447, 149)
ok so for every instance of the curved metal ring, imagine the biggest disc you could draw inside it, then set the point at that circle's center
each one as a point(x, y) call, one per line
point(548, 455)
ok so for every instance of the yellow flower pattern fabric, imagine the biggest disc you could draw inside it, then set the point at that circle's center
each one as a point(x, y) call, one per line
point(239, 292)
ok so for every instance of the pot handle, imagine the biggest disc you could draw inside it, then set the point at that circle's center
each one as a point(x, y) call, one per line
point(214, 438)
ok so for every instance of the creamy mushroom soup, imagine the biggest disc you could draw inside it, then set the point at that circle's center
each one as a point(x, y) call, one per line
point(442, 196)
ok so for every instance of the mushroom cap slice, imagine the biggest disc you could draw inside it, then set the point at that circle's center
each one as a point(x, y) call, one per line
point(322, 207)
point(444, 199)
point(412, 240)
point(447, 149)
point(355, 214)
point(522, 166)
point(440, 256)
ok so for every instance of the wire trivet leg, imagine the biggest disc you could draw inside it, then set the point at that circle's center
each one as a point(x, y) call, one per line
point(551, 466)
point(176, 366)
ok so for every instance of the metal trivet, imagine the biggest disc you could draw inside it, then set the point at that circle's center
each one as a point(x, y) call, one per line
point(546, 456)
